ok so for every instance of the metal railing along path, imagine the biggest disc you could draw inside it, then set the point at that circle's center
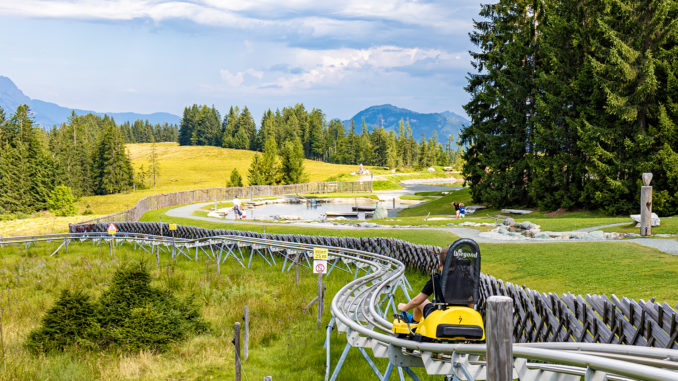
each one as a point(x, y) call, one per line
point(357, 311)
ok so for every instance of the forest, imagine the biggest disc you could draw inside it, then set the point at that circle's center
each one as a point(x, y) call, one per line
point(571, 102)
point(320, 139)
point(85, 156)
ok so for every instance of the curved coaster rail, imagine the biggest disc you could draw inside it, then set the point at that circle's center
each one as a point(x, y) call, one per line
point(357, 311)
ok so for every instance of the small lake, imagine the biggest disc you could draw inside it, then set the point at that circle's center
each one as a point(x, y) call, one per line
point(314, 210)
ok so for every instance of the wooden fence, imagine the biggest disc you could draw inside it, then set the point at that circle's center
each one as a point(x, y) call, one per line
point(538, 317)
point(164, 200)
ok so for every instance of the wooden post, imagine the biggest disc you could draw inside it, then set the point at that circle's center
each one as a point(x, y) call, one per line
point(646, 205)
point(246, 336)
point(157, 256)
point(321, 302)
point(236, 343)
point(296, 259)
point(499, 338)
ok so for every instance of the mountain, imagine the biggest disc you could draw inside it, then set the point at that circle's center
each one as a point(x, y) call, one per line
point(444, 123)
point(47, 114)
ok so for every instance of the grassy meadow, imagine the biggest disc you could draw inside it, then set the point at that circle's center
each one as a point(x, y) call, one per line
point(284, 340)
point(192, 167)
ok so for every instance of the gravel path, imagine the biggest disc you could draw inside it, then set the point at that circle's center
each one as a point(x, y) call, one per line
point(669, 246)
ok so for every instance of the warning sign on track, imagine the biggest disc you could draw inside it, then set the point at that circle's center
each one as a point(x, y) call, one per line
point(112, 229)
point(319, 266)
point(320, 253)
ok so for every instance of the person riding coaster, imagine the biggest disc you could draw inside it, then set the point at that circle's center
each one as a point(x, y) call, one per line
point(451, 316)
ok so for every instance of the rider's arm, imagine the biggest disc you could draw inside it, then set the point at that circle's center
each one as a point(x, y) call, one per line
point(417, 300)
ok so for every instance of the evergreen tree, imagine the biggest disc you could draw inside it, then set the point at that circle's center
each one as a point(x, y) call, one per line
point(228, 127)
point(61, 201)
point(255, 173)
point(112, 167)
point(188, 124)
point(292, 162)
point(235, 179)
point(245, 127)
point(270, 163)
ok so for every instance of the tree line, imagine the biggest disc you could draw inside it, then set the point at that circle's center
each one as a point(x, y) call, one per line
point(318, 139)
point(571, 102)
point(85, 156)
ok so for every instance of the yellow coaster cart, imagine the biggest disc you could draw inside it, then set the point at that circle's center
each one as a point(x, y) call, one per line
point(454, 318)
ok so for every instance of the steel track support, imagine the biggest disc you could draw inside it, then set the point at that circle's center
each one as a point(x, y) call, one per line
point(342, 358)
point(387, 372)
point(411, 373)
point(326, 345)
point(370, 362)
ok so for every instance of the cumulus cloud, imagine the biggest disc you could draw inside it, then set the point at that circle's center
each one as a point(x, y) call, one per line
point(237, 79)
point(330, 67)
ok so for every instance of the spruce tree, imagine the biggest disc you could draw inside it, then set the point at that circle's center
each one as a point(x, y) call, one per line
point(292, 162)
point(112, 167)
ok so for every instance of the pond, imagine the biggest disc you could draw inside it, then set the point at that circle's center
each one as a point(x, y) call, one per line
point(311, 209)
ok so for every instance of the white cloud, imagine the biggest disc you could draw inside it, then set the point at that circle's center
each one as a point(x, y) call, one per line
point(330, 67)
point(237, 79)
point(320, 18)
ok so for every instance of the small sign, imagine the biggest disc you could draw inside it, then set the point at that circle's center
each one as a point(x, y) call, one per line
point(319, 266)
point(172, 226)
point(320, 253)
point(112, 229)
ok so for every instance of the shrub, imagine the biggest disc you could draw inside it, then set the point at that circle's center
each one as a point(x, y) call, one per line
point(61, 202)
point(70, 322)
point(130, 315)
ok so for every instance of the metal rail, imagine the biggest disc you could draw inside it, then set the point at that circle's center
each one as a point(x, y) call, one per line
point(356, 309)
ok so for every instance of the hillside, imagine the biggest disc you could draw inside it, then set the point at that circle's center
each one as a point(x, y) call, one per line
point(444, 124)
point(193, 167)
point(47, 114)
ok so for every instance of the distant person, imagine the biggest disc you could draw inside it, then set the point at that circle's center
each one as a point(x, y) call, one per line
point(456, 208)
point(361, 171)
point(237, 212)
point(462, 210)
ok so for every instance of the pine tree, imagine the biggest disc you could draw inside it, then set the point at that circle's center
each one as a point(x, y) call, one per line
point(245, 127)
point(292, 162)
point(255, 174)
point(188, 124)
point(112, 167)
point(235, 179)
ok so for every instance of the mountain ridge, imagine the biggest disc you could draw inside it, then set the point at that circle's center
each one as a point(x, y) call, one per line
point(48, 114)
point(443, 124)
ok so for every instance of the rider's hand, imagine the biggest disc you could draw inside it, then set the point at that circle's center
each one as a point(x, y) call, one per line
point(402, 307)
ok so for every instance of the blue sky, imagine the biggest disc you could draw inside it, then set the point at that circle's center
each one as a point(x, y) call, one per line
point(162, 55)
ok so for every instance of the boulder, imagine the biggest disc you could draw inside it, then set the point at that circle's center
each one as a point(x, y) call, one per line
point(596, 234)
point(526, 225)
point(542, 236)
point(654, 218)
point(516, 211)
point(380, 211)
point(508, 222)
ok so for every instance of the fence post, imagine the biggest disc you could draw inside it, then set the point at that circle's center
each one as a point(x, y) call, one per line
point(236, 343)
point(499, 338)
point(646, 205)
point(321, 302)
point(246, 336)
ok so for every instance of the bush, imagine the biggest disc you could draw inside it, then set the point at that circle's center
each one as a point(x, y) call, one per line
point(61, 202)
point(70, 322)
point(130, 315)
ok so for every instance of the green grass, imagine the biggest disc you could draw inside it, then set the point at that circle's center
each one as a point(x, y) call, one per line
point(380, 185)
point(621, 268)
point(428, 237)
point(668, 225)
point(194, 167)
point(284, 341)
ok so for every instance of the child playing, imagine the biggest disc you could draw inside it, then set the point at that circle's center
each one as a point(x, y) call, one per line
point(462, 210)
